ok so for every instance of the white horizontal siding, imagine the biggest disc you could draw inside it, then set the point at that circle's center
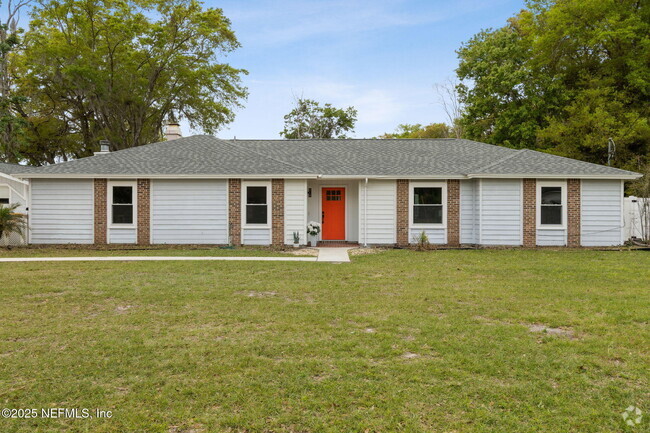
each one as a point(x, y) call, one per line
point(381, 212)
point(601, 213)
point(468, 212)
point(62, 211)
point(4, 191)
point(15, 191)
point(256, 236)
point(295, 210)
point(189, 212)
point(551, 238)
point(435, 235)
point(122, 235)
point(501, 222)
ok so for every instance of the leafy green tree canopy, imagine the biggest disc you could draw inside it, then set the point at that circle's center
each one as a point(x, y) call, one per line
point(309, 119)
point(434, 130)
point(563, 76)
point(118, 69)
point(11, 125)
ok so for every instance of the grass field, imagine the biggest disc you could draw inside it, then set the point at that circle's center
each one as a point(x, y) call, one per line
point(68, 251)
point(445, 341)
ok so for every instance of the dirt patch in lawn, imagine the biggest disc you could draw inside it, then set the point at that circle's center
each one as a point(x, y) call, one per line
point(364, 251)
point(254, 294)
point(543, 329)
point(313, 252)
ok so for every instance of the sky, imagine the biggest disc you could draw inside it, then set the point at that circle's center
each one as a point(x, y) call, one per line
point(381, 56)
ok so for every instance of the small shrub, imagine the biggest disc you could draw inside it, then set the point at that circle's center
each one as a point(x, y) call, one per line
point(10, 222)
point(421, 241)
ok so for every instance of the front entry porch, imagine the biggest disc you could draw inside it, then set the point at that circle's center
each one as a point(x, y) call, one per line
point(334, 204)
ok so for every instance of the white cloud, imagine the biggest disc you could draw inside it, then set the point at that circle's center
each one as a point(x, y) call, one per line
point(288, 21)
point(379, 109)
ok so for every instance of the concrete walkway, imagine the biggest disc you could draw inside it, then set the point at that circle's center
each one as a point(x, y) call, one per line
point(332, 255)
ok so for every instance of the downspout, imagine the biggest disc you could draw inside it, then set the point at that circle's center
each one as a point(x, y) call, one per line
point(365, 215)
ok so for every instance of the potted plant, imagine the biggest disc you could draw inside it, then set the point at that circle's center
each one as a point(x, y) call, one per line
point(296, 239)
point(313, 229)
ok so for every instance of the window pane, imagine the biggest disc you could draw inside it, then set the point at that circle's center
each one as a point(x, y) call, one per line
point(427, 195)
point(551, 195)
point(427, 214)
point(551, 215)
point(256, 214)
point(122, 195)
point(256, 195)
point(122, 214)
point(333, 195)
point(4, 201)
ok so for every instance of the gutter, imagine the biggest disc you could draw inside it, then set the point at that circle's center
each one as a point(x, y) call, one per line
point(630, 176)
point(17, 177)
point(165, 176)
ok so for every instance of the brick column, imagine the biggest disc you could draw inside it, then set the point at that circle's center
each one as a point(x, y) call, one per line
point(453, 212)
point(277, 212)
point(144, 211)
point(101, 188)
point(234, 210)
point(573, 213)
point(530, 213)
point(402, 212)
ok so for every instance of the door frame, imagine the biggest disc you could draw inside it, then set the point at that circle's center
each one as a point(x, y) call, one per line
point(320, 208)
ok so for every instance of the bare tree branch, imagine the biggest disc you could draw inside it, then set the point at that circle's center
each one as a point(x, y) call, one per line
point(449, 99)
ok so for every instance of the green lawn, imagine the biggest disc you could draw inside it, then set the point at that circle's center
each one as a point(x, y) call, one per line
point(397, 341)
point(67, 251)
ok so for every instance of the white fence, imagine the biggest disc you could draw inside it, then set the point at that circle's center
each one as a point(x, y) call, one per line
point(634, 217)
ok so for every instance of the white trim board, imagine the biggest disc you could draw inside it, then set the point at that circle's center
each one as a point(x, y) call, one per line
point(538, 204)
point(269, 203)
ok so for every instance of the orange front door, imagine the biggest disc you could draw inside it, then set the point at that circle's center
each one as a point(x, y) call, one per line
point(333, 217)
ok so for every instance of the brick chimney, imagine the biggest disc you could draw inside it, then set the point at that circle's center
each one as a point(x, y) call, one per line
point(172, 131)
point(104, 147)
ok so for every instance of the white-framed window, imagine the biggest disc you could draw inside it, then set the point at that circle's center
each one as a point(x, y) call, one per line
point(428, 204)
point(4, 195)
point(551, 204)
point(256, 204)
point(122, 203)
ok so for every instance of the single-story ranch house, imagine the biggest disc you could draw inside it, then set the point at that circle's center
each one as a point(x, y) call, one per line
point(204, 190)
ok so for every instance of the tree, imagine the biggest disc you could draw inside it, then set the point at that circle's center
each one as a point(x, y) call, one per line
point(506, 103)
point(434, 130)
point(117, 70)
point(309, 120)
point(449, 99)
point(11, 125)
point(10, 222)
point(564, 77)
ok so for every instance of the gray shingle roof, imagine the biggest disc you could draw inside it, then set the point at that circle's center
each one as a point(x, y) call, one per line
point(526, 161)
point(14, 168)
point(375, 157)
point(207, 155)
point(196, 155)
